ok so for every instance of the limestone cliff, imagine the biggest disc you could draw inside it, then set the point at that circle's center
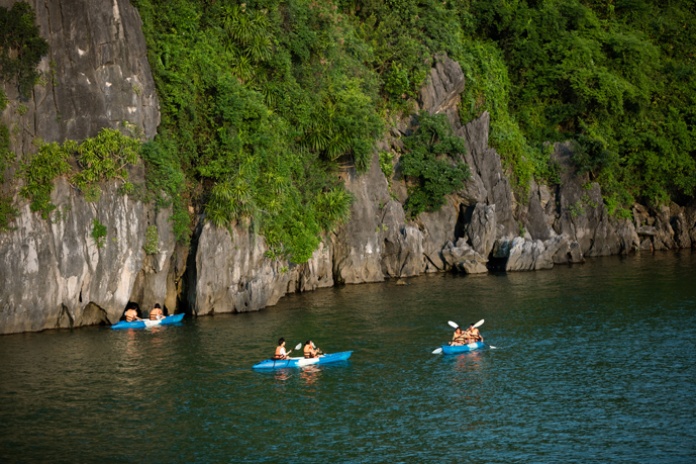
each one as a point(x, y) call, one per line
point(95, 75)
point(55, 273)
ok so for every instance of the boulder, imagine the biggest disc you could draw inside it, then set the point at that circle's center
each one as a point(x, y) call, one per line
point(528, 255)
point(463, 258)
point(478, 227)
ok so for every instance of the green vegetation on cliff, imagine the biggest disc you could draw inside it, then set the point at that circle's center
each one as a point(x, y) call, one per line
point(432, 174)
point(618, 78)
point(261, 103)
point(21, 49)
point(264, 101)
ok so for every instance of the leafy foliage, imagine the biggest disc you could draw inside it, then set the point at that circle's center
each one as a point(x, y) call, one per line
point(151, 246)
point(617, 78)
point(99, 233)
point(259, 101)
point(21, 47)
point(101, 158)
point(166, 182)
point(262, 101)
point(7, 212)
point(431, 164)
point(38, 174)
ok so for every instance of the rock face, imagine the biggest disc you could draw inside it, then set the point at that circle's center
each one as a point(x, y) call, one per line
point(55, 273)
point(95, 75)
point(232, 273)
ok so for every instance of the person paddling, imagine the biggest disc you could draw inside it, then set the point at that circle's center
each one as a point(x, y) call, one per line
point(310, 351)
point(459, 337)
point(280, 352)
point(473, 334)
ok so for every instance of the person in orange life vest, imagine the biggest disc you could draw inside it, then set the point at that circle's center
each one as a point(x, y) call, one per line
point(311, 351)
point(280, 352)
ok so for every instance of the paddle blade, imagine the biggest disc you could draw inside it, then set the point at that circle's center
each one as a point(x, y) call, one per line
point(437, 351)
point(298, 346)
point(479, 323)
point(453, 324)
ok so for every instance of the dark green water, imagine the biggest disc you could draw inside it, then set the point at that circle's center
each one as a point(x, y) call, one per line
point(593, 363)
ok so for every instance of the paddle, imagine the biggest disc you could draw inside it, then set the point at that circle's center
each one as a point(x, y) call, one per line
point(314, 347)
point(297, 347)
point(456, 326)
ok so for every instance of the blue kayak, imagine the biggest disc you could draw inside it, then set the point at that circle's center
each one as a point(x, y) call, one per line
point(456, 349)
point(301, 362)
point(147, 323)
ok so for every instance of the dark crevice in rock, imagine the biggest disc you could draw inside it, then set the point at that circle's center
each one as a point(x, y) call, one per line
point(189, 279)
point(94, 315)
point(497, 264)
point(466, 212)
point(65, 312)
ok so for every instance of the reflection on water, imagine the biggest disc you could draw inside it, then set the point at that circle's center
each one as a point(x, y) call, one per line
point(595, 363)
point(310, 374)
point(468, 361)
point(281, 375)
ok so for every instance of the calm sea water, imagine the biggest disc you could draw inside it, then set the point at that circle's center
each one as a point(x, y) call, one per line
point(592, 363)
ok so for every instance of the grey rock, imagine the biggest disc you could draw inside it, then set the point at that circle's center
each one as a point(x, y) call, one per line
point(568, 252)
point(233, 273)
point(161, 272)
point(403, 254)
point(315, 273)
point(479, 227)
point(441, 92)
point(464, 258)
point(487, 172)
point(535, 217)
point(532, 255)
point(96, 75)
point(54, 274)
point(582, 215)
point(438, 228)
point(357, 245)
